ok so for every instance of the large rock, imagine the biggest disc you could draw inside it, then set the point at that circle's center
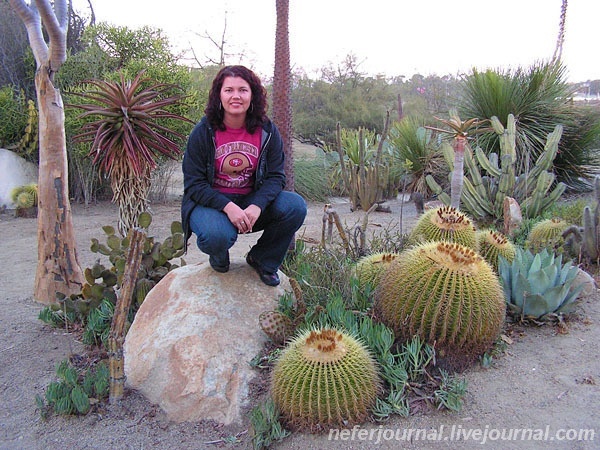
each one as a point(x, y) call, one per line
point(512, 216)
point(190, 343)
point(16, 172)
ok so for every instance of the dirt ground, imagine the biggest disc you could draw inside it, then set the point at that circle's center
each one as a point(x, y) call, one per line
point(546, 383)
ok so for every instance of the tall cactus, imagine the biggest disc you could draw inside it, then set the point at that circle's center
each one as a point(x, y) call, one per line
point(483, 195)
point(586, 239)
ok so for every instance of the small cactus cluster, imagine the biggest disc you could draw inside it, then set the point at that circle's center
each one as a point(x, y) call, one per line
point(491, 244)
point(444, 224)
point(325, 378)
point(547, 234)
point(446, 294)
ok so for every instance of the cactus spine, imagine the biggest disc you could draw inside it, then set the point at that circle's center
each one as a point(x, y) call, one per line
point(547, 234)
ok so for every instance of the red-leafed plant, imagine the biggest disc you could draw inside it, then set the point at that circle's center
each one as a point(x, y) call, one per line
point(129, 136)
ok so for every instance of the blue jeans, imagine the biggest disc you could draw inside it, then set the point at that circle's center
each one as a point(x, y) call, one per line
point(279, 222)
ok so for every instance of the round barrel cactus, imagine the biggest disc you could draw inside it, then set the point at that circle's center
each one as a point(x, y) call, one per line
point(444, 224)
point(491, 244)
point(446, 294)
point(369, 268)
point(547, 234)
point(325, 378)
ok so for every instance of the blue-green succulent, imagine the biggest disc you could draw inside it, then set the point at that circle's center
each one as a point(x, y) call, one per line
point(538, 284)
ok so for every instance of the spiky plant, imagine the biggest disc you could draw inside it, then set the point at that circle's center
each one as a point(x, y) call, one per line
point(128, 137)
point(491, 244)
point(25, 196)
point(446, 294)
point(325, 378)
point(368, 269)
point(444, 224)
point(538, 284)
point(546, 234)
point(460, 131)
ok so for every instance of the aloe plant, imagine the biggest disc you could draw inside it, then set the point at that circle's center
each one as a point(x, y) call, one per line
point(538, 284)
point(128, 137)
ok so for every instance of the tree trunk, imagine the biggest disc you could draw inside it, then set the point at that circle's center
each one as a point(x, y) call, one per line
point(282, 86)
point(458, 173)
point(58, 267)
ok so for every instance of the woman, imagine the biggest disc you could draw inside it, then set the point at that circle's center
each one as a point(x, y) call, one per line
point(234, 178)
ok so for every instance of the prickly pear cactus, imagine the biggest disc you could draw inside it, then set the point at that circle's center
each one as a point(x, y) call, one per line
point(325, 378)
point(276, 325)
point(491, 244)
point(444, 224)
point(547, 234)
point(446, 294)
point(369, 268)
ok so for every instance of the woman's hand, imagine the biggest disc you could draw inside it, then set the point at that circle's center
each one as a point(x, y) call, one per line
point(242, 219)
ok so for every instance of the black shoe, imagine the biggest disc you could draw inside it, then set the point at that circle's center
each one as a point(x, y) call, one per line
point(270, 279)
point(217, 267)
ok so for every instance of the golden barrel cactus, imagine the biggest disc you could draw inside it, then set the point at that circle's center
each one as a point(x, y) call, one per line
point(491, 244)
point(369, 268)
point(325, 378)
point(547, 234)
point(446, 294)
point(444, 224)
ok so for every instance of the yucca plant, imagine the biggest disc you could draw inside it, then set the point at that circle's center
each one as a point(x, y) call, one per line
point(128, 137)
point(410, 141)
point(539, 284)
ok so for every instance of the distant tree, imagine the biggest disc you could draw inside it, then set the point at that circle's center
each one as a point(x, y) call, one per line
point(58, 268)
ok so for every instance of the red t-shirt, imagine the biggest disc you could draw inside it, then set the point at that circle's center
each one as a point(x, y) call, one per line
point(235, 160)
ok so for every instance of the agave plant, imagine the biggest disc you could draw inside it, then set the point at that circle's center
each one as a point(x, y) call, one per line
point(538, 284)
point(128, 137)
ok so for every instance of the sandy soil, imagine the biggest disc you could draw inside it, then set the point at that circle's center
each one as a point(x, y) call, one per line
point(546, 381)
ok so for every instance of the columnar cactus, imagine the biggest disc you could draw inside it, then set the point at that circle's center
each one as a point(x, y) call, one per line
point(444, 224)
point(489, 179)
point(325, 378)
point(446, 294)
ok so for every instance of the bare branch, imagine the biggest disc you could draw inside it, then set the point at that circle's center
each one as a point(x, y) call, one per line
point(33, 23)
point(56, 22)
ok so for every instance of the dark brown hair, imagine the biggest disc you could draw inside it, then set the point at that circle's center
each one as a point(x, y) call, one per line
point(256, 114)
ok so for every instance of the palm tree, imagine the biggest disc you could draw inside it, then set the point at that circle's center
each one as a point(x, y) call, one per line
point(460, 132)
point(282, 86)
point(129, 136)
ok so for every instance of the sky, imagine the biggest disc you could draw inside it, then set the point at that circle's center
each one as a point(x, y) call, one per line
point(387, 37)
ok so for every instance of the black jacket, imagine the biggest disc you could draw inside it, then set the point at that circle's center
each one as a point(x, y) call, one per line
point(199, 170)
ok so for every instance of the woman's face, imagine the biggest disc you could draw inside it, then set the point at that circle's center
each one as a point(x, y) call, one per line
point(236, 97)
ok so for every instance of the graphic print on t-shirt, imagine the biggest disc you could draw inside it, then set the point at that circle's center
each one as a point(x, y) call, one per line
point(235, 164)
